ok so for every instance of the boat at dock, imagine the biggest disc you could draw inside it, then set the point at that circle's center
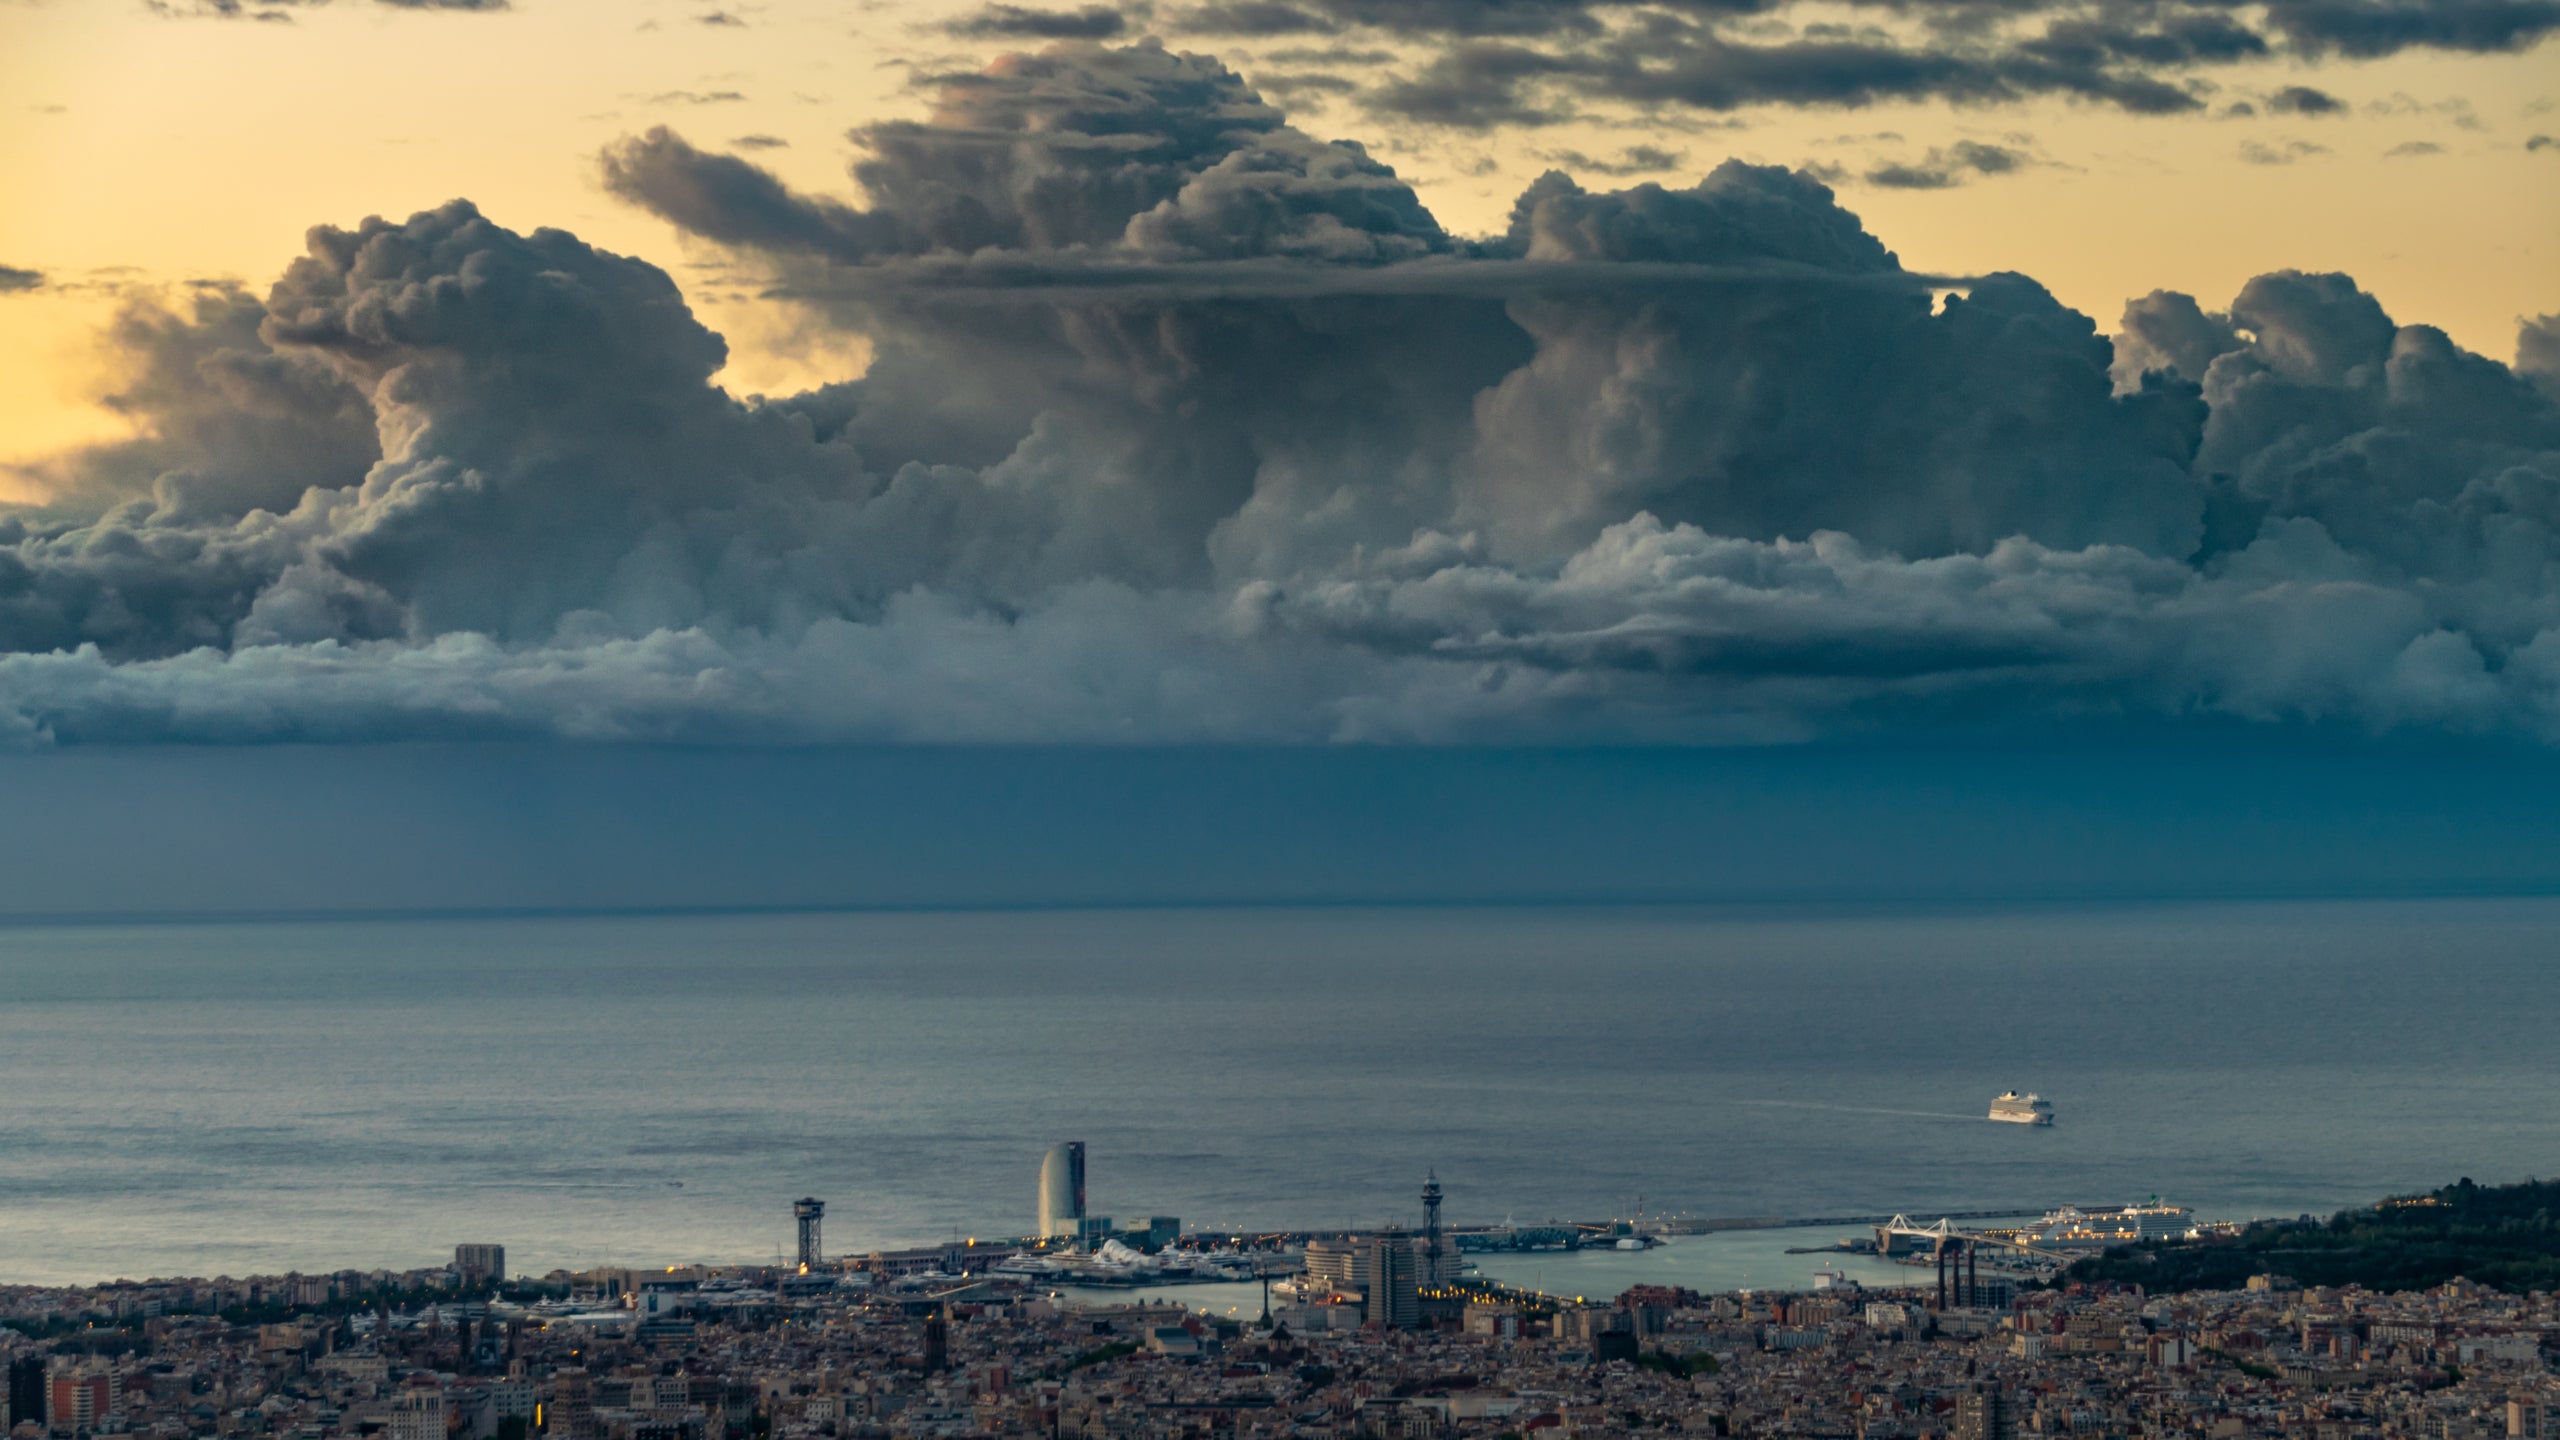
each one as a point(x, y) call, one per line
point(2073, 1228)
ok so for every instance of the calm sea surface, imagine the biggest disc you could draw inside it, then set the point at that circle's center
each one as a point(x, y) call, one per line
point(195, 1099)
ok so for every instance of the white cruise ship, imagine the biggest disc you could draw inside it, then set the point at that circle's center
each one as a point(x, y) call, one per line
point(2073, 1228)
point(2020, 1109)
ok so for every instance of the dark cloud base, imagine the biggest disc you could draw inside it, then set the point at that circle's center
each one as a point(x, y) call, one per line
point(1021, 22)
point(1185, 426)
point(1488, 63)
point(127, 831)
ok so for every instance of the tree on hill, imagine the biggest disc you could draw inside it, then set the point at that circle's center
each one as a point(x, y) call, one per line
point(2504, 1236)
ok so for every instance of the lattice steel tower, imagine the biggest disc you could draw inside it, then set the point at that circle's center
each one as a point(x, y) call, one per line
point(807, 1212)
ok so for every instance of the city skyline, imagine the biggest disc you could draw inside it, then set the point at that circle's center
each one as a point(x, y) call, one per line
point(905, 1345)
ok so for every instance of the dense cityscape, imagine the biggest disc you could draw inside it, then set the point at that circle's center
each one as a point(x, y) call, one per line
point(1380, 1335)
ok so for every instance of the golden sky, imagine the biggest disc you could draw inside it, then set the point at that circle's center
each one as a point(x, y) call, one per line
point(144, 150)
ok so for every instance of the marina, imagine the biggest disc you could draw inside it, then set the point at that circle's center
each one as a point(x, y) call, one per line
point(1245, 1272)
point(1719, 1263)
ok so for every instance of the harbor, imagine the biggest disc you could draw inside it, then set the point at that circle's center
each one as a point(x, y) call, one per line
point(1245, 1274)
point(1757, 1259)
point(1078, 1254)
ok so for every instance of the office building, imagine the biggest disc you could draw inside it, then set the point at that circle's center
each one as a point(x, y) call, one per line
point(1062, 1191)
point(937, 1343)
point(1392, 1283)
point(78, 1397)
point(1584, 1323)
point(477, 1264)
point(1328, 1262)
point(419, 1415)
point(1983, 1413)
point(1381, 1269)
point(26, 1390)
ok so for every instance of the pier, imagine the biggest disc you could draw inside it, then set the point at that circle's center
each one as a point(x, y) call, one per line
point(1579, 1234)
point(1772, 1222)
point(1270, 1254)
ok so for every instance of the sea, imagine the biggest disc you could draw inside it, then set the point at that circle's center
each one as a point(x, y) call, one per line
point(259, 1096)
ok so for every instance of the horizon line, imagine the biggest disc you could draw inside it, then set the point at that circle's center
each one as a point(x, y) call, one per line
point(1833, 900)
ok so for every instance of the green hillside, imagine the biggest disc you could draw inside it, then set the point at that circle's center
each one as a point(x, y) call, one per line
point(2507, 1236)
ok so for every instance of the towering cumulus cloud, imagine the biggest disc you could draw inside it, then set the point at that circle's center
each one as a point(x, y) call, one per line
point(1182, 424)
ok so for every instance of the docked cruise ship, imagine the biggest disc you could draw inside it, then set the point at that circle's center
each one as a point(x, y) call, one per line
point(2020, 1109)
point(2072, 1228)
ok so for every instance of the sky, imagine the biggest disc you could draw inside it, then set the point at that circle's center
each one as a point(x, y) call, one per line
point(557, 382)
point(152, 145)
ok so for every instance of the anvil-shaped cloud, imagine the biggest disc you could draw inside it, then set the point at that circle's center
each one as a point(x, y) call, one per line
point(1184, 425)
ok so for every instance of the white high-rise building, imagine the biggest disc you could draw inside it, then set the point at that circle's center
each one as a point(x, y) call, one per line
point(1380, 1267)
point(419, 1415)
point(1062, 1191)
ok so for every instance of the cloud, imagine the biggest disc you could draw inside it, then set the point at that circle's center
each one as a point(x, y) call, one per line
point(274, 13)
point(1948, 167)
point(2369, 29)
point(1326, 55)
point(2538, 351)
point(1183, 425)
point(1634, 160)
point(2159, 34)
point(2408, 148)
point(1091, 22)
point(1256, 18)
point(1061, 152)
point(2284, 153)
point(1481, 83)
point(1475, 64)
point(280, 10)
point(14, 280)
point(225, 421)
point(721, 19)
point(1304, 85)
point(2454, 109)
point(1477, 87)
point(694, 97)
point(2169, 332)
point(2541, 142)
point(1907, 177)
point(1470, 18)
point(1986, 159)
point(2303, 100)
point(761, 142)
